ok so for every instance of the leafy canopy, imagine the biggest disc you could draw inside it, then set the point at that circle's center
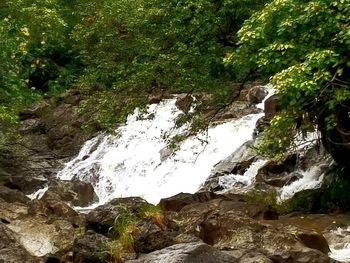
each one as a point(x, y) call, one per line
point(305, 47)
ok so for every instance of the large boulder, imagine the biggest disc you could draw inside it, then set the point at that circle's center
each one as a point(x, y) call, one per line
point(52, 207)
point(272, 106)
point(236, 163)
point(75, 192)
point(195, 252)
point(177, 202)
point(152, 235)
point(11, 195)
point(102, 218)
point(11, 251)
point(88, 248)
point(236, 110)
point(256, 94)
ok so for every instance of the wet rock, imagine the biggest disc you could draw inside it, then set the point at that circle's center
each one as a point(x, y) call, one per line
point(279, 174)
point(87, 248)
point(236, 110)
point(256, 94)
point(102, 218)
point(237, 163)
point(11, 251)
point(184, 102)
point(76, 193)
point(177, 202)
point(196, 252)
point(12, 195)
point(272, 106)
point(152, 235)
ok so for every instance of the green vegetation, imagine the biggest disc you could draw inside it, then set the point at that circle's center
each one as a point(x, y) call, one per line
point(119, 53)
point(304, 46)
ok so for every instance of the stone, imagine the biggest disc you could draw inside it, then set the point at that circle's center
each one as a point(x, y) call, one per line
point(152, 235)
point(236, 110)
point(256, 94)
point(102, 218)
point(87, 248)
point(52, 207)
point(196, 252)
point(272, 106)
point(177, 202)
point(75, 192)
point(12, 195)
point(184, 102)
point(11, 251)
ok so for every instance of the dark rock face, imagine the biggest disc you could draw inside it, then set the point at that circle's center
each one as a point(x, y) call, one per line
point(50, 133)
point(51, 206)
point(10, 250)
point(152, 235)
point(102, 218)
point(236, 110)
point(256, 94)
point(88, 248)
point(337, 140)
point(177, 202)
point(76, 193)
point(237, 163)
point(196, 252)
point(11, 195)
point(272, 106)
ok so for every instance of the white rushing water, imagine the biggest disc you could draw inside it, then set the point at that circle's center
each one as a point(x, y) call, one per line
point(339, 244)
point(131, 163)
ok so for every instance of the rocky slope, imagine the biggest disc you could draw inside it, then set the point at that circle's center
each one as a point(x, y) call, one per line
point(203, 227)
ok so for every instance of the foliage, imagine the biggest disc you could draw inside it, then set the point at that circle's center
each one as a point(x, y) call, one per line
point(305, 46)
point(132, 49)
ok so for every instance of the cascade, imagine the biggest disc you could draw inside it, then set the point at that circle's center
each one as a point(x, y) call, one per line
point(132, 163)
point(136, 161)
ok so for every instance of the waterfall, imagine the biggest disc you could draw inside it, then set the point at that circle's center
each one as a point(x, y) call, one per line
point(136, 161)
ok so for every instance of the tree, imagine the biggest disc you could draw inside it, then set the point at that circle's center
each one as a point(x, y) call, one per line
point(305, 47)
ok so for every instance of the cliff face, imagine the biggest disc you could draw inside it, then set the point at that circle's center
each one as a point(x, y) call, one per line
point(50, 133)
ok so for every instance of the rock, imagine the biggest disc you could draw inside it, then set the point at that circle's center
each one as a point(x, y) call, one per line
point(254, 257)
point(184, 102)
point(177, 202)
point(278, 174)
point(195, 252)
point(76, 193)
point(52, 207)
point(40, 237)
point(237, 163)
point(314, 240)
point(152, 235)
point(272, 106)
point(256, 94)
point(50, 133)
point(12, 195)
point(87, 248)
point(34, 111)
point(336, 140)
point(12, 211)
point(236, 110)
point(193, 215)
point(102, 218)
point(11, 251)
point(260, 126)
